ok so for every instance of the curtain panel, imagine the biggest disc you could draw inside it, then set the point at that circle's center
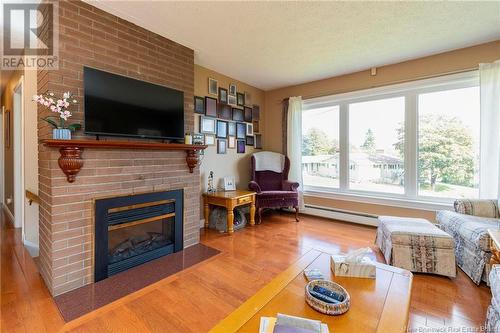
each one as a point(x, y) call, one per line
point(294, 143)
point(489, 172)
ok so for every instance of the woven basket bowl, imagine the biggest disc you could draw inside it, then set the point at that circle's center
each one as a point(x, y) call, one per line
point(328, 308)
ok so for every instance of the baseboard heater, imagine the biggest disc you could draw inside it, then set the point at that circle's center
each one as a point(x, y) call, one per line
point(341, 214)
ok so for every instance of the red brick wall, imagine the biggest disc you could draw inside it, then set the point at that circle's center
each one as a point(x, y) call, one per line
point(91, 37)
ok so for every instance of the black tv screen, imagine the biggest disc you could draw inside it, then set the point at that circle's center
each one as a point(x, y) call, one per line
point(121, 106)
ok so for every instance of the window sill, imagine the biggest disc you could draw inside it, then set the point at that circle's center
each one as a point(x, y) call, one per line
point(381, 200)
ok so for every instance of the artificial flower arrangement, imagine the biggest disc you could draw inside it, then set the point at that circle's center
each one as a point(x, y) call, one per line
point(62, 130)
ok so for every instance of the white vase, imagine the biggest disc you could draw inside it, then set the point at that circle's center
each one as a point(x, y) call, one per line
point(61, 134)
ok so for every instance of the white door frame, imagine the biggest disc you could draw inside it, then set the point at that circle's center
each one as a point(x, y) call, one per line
point(2, 159)
point(18, 112)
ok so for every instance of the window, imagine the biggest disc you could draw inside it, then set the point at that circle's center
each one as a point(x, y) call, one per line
point(320, 147)
point(413, 141)
point(448, 143)
point(376, 148)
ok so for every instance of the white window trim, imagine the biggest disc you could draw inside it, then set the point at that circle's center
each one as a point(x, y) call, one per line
point(410, 91)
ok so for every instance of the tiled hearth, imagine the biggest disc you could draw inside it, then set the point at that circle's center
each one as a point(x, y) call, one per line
point(93, 38)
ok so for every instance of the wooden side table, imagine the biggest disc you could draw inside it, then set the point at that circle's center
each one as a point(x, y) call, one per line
point(494, 246)
point(229, 200)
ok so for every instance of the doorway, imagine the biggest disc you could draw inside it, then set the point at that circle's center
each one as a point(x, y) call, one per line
point(18, 135)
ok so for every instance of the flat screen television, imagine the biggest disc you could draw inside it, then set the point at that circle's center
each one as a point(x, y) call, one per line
point(121, 106)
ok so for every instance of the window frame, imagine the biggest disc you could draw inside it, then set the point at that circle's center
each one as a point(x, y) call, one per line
point(410, 91)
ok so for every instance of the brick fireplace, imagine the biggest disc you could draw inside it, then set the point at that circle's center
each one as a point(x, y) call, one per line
point(91, 37)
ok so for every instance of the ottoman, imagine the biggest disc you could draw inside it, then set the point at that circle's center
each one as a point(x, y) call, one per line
point(416, 245)
point(493, 315)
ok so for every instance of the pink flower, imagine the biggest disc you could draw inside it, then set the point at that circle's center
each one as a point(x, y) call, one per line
point(54, 108)
point(65, 115)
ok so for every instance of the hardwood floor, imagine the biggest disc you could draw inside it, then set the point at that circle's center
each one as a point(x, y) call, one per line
point(194, 300)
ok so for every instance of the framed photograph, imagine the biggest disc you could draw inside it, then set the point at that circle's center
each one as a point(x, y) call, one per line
point(249, 129)
point(241, 130)
point(240, 99)
point(221, 129)
point(231, 129)
point(6, 119)
point(229, 184)
point(222, 95)
point(224, 111)
point(231, 142)
point(213, 86)
point(250, 141)
point(238, 114)
point(240, 147)
point(248, 114)
point(221, 146)
point(231, 100)
point(256, 126)
point(198, 139)
point(232, 89)
point(247, 97)
point(209, 139)
point(210, 107)
point(207, 125)
point(257, 141)
point(199, 105)
point(255, 112)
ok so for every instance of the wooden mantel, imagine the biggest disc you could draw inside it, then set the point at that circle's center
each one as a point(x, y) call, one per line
point(71, 160)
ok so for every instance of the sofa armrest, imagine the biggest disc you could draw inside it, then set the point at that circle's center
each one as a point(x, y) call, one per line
point(477, 207)
point(253, 186)
point(289, 185)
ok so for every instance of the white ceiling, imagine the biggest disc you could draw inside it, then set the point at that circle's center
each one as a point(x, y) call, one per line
point(276, 44)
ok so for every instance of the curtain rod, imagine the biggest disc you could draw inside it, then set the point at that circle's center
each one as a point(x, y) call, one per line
point(423, 77)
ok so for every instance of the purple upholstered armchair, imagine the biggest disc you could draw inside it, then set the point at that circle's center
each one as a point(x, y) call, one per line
point(270, 181)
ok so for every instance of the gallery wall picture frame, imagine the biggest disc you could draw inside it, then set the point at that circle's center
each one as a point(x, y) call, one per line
point(209, 139)
point(224, 111)
point(231, 142)
point(207, 125)
point(213, 86)
point(231, 100)
point(241, 130)
point(210, 107)
point(232, 89)
point(199, 105)
point(238, 114)
point(231, 129)
point(250, 140)
point(256, 126)
point(222, 95)
point(247, 114)
point(240, 99)
point(248, 97)
point(249, 129)
point(257, 141)
point(6, 120)
point(240, 147)
point(221, 129)
point(255, 112)
point(221, 146)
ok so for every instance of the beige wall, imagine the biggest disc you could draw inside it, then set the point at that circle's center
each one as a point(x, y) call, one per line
point(30, 156)
point(230, 164)
point(458, 60)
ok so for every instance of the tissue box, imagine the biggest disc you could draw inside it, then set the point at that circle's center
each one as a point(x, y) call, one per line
point(363, 269)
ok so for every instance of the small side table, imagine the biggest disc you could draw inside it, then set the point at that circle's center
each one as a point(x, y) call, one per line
point(494, 246)
point(229, 200)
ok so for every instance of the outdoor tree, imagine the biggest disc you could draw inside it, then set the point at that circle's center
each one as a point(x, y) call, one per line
point(317, 142)
point(445, 150)
point(369, 144)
